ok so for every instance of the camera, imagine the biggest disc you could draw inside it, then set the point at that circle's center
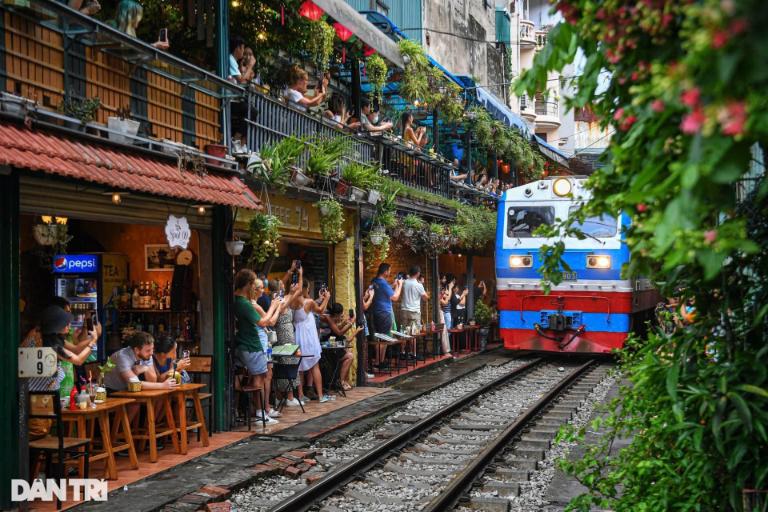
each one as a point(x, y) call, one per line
point(370, 287)
point(401, 276)
point(323, 288)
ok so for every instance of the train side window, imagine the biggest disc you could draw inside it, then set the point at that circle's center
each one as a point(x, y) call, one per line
point(601, 226)
point(523, 221)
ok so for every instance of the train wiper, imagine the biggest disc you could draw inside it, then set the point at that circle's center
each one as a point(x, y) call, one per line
point(593, 237)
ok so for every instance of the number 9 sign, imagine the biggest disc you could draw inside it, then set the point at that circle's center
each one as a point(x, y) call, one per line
point(37, 362)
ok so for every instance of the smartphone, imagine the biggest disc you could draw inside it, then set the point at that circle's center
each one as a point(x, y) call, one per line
point(295, 278)
point(370, 287)
point(163, 36)
point(351, 313)
point(298, 264)
point(281, 293)
point(89, 322)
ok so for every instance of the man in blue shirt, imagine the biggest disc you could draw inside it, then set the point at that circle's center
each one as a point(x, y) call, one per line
point(383, 296)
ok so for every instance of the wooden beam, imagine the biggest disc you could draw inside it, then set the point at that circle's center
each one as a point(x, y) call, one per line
point(362, 28)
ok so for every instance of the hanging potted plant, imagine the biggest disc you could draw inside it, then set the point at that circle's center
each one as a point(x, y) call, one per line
point(413, 224)
point(331, 220)
point(276, 163)
point(319, 43)
point(378, 235)
point(264, 238)
point(84, 110)
point(376, 71)
point(125, 127)
point(375, 253)
point(324, 156)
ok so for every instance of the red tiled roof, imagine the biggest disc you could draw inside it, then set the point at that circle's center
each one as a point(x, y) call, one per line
point(64, 156)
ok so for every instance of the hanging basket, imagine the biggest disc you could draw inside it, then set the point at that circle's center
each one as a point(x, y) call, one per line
point(377, 235)
point(357, 194)
point(342, 188)
point(46, 234)
point(374, 196)
point(300, 179)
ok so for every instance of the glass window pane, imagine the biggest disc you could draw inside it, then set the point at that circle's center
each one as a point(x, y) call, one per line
point(523, 221)
point(601, 226)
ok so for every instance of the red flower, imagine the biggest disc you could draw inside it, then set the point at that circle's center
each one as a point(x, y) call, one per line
point(666, 19)
point(720, 39)
point(641, 207)
point(600, 14)
point(657, 106)
point(734, 117)
point(693, 122)
point(618, 114)
point(627, 123)
point(634, 76)
point(738, 26)
point(710, 236)
point(691, 97)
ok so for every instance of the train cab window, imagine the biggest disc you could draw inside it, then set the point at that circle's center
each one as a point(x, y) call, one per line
point(600, 226)
point(523, 221)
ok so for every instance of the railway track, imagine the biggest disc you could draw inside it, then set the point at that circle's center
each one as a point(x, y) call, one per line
point(431, 462)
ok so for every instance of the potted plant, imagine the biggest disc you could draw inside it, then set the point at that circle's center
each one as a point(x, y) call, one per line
point(483, 316)
point(84, 110)
point(264, 237)
point(376, 71)
point(412, 224)
point(234, 247)
point(324, 155)
point(15, 104)
point(121, 127)
point(375, 253)
point(215, 150)
point(331, 220)
point(275, 164)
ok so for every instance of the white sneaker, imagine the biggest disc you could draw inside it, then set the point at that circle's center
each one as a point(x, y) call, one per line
point(274, 414)
point(292, 402)
point(269, 421)
point(370, 376)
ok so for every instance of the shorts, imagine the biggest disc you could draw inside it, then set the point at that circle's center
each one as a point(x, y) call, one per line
point(382, 322)
point(409, 317)
point(254, 362)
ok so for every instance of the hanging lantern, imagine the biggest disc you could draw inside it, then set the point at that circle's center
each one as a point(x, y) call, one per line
point(368, 51)
point(310, 10)
point(505, 168)
point(343, 32)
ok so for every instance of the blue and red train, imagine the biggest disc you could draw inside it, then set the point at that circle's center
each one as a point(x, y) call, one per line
point(593, 309)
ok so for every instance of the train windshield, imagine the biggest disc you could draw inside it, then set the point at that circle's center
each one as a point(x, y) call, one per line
point(522, 221)
point(600, 226)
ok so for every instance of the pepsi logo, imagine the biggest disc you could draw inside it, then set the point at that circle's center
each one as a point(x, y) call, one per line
point(75, 263)
point(60, 263)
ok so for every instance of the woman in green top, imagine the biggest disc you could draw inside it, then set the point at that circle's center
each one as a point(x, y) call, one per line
point(250, 338)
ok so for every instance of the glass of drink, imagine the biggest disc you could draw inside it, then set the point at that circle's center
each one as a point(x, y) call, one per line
point(92, 393)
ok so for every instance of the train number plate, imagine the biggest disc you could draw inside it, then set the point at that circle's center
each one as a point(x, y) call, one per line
point(569, 276)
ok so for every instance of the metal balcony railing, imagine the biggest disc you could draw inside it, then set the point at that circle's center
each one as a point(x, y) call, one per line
point(415, 169)
point(270, 120)
point(547, 108)
point(541, 39)
point(525, 103)
point(527, 31)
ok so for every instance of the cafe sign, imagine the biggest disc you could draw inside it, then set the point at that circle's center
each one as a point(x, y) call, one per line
point(177, 232)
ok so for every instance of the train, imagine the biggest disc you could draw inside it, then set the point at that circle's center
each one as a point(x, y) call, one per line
point(593, 309)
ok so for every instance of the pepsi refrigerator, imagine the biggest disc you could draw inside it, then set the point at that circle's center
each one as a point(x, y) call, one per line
point(78, 278)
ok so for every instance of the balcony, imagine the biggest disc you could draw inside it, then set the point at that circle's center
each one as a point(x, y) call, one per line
point(527, 109)
point(527, 35)
point(541, 39)
point(547, 115)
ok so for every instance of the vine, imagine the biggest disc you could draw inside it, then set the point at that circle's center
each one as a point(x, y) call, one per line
point(320, 43)
point(264, 237)
point(331, 220)
point(376, 70)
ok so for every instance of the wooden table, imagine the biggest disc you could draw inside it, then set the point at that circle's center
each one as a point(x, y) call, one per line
point(83, 420)
point(191, 391)
point(150, 398)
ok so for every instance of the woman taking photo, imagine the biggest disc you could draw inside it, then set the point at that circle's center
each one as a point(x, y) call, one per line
point(417, 137)
point(304, 310)
point(250, 337)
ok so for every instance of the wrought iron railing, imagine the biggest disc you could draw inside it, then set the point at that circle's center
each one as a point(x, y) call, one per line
point(546, 108)
point(541, 39)
point(527, 31)
point(414, 169)
point(525, 103)
point(268, 120)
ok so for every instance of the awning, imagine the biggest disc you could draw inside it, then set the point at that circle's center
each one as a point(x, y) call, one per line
point(117, 169)
point(551, 152)
point(500, 111)
point(362, 28)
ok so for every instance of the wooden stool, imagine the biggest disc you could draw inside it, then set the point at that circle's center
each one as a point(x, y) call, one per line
point(243, 385)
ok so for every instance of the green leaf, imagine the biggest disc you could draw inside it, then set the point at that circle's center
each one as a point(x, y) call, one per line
point(672, 377)
point(749, 388)
point(742, 409)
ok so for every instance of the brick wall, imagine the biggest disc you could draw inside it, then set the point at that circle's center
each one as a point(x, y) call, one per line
point(344, 273)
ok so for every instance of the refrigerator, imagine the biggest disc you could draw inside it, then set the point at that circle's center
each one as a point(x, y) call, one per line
point(78, 278)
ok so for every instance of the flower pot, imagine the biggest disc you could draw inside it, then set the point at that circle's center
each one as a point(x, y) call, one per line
point(46, 234)
point(342, 188)
point(74, 125)
point(324, 210)
point(215, 150)
point(483, 333)
point(234, 247)
point(374, 196)
point(13, 104)
point(298, 177)
point(357, 194)
point(126, 128)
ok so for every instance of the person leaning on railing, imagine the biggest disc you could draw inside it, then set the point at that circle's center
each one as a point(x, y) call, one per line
point(369, 120)
point(298, 84)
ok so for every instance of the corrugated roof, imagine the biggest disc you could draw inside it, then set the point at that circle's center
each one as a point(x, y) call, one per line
point(114, 168)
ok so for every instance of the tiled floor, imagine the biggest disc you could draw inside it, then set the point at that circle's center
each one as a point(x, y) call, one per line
point(168, 459)
point(293, 415)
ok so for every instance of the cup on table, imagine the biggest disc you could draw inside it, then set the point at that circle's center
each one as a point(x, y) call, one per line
point(332, 341)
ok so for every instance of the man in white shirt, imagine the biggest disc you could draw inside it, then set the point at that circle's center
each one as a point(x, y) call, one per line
point(413, 293)
point(236, 52)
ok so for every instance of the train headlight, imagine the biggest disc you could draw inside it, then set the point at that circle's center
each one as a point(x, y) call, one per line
point(520, 261)
point(561, 187)
point(598, 261)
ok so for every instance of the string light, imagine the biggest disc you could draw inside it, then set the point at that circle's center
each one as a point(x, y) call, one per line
point(116, 199)
point(47, 219)
point(61, 220)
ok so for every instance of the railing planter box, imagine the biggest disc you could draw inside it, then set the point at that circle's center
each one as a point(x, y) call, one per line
point(15, 104)
point(174, 148)
point(374, 196)
point(216, 150)
point(298, 177)
point(357, 194)
point(126, 129)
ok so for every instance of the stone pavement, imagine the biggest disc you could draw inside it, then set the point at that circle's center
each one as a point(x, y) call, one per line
point(191, 485)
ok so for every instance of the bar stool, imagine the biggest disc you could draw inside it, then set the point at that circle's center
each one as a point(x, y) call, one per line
point(243, 387)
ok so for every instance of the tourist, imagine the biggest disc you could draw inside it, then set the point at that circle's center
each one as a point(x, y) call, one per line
point(128, 17)
point(445, 303)
point(459, 305)
point(383, 296)
point(133, 363)
point(367, 302)
point(417, 137)
point(338, 113)
point(369, 120)
point(269, 319)
point(481, 291)
point(166, 361)
point(304, 308)
point(284, 328)
point(298, 84)
point(240, 70)
point(410, 307)
point(455, 171)
point(250, 337)
point(333, 323)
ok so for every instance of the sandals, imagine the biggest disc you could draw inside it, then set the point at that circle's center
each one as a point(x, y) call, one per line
point(345, 386)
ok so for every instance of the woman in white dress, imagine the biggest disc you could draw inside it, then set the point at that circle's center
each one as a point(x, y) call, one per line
point(308, 339)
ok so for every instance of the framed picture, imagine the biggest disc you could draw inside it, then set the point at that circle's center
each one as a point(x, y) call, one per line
point(158, 257)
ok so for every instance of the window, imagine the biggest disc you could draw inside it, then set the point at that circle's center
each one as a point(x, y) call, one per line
point(600, 226)
point(381, 7)
point(523, 221)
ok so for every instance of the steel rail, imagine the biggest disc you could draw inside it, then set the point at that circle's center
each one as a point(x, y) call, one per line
point(449, 496)
point(339, 477)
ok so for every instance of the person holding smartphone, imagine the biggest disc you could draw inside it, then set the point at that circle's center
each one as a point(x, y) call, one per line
point(383, 296)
